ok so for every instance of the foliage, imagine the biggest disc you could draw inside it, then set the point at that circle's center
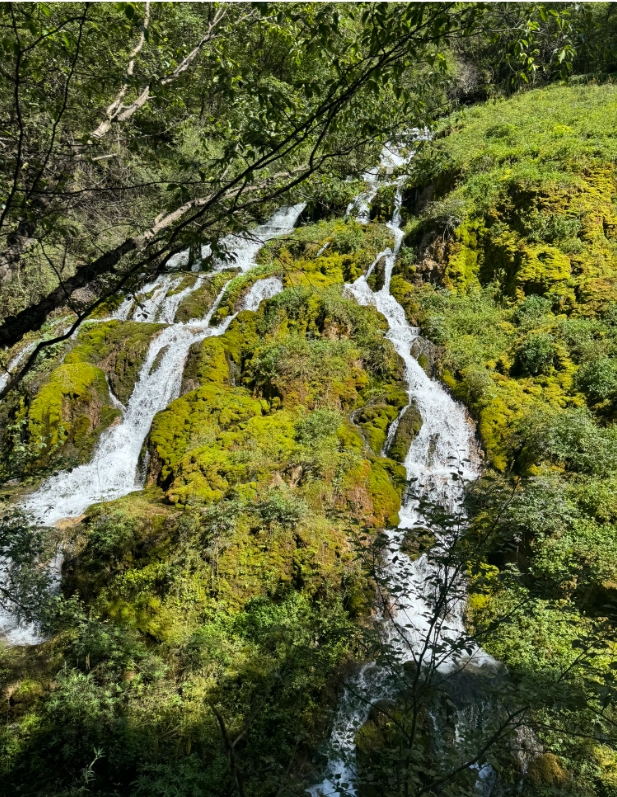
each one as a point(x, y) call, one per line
point(207, 622)
point(230, 589)
point(517, 289)
point(27, 585)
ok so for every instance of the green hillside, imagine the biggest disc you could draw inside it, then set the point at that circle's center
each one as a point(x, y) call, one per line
point(233, 580)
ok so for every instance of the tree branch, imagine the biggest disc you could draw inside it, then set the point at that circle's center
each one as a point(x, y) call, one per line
point(116, 106)
point(119, 112)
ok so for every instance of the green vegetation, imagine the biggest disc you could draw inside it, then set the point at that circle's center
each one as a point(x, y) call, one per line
point(230, 587)
point(205, 625)
point(66, 403)
point(510, 268)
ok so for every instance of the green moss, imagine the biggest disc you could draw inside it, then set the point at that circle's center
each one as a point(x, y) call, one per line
point(386, 483)
point(119, 348)
point(206, 362)
point(382, 206)
point(68, 414)
point(72, 405)
point(237, 289)
point(376, 417)
point(245, 417)
point(406, 431)
point(326, 253)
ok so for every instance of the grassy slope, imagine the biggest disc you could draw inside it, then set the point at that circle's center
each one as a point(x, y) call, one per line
point(521, 234)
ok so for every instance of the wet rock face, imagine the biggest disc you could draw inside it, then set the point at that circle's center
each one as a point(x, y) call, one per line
point(377, 279)
point(409, 425)
point(376, 417)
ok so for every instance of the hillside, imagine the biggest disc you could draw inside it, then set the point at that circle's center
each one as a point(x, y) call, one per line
point(217, 596)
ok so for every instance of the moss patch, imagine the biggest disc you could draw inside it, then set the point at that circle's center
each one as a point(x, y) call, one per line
point(409, 425)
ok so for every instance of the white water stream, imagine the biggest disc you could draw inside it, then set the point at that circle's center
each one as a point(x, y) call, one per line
point(444, 447)
point(444, 450)
point(113, 470)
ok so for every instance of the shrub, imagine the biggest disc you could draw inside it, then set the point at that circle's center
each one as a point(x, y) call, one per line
point(319, 424)
point(280, 506)
point(598, 379)
point(536, 354)
point(571, 439)
point(532, 310)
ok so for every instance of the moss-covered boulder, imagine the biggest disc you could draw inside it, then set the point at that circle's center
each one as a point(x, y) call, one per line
point(408, 427)
point(376, 417)
point(71, 398)
point(546, 770)
point(268, 400)
point(377, 277)
point(67, 415)
point(327, 253)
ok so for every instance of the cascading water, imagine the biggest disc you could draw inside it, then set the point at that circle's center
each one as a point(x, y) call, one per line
point(113, 470)
point(443, 448)
point(12, 366)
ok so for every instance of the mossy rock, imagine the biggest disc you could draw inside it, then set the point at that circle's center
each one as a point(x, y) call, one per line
point(237, 289)
point(386, 484)
point(376, 417)
point(72, 405)
point(407, 430)
point(199, 301)
point(382, 205)
point(207, 361)
point(377, 278)
point(327, 253)
point(67, 416)
point(26, 693)
point(119, 348)
point(546, 770)
point(417, 541)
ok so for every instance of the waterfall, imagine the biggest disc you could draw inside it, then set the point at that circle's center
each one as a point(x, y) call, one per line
point(444, 450)
point(113, 470)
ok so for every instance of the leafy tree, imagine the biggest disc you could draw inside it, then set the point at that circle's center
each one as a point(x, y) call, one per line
point(131, 132)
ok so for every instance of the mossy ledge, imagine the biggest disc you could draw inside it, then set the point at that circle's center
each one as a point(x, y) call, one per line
point(67, 405)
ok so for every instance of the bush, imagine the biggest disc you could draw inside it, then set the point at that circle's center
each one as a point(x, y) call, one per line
point(280, 506)
point(598, 379)
point(536, 354)
point(532, 310)
point(571, 439)
point(319, 424)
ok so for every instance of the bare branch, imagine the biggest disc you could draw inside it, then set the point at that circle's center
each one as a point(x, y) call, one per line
point(119, 112)
point(116, 106)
